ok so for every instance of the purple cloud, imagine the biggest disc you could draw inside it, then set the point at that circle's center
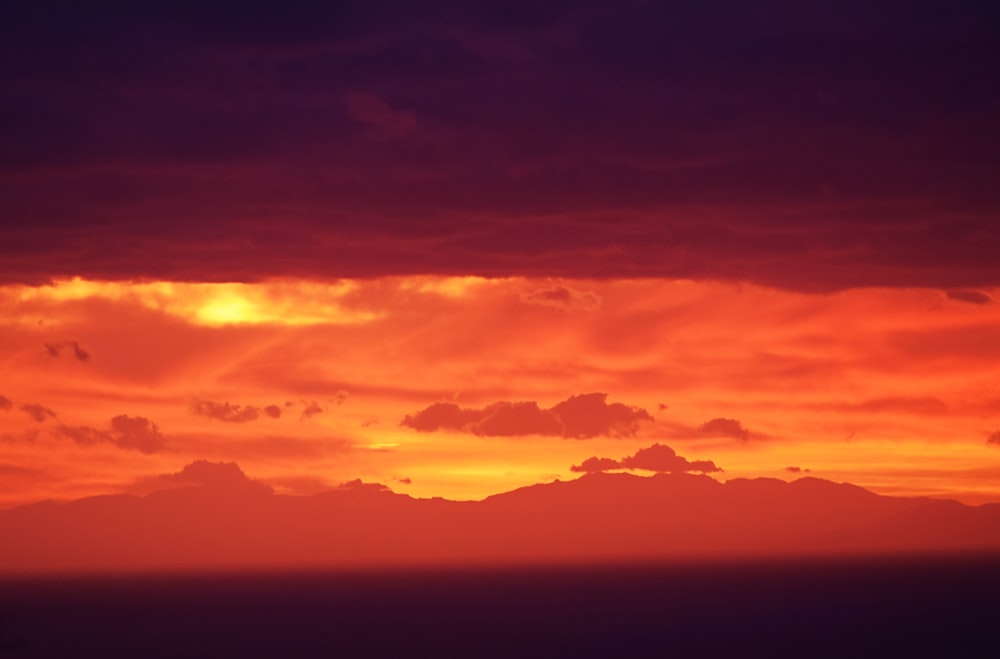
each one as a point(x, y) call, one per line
point(578, 417)
point(55, 350)
point(38, 413)
point(127, 432)
point(658, 458)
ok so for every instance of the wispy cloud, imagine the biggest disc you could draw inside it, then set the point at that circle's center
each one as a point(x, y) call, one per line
point(127, 432)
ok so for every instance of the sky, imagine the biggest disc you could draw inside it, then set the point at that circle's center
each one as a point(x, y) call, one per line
point(462, 248)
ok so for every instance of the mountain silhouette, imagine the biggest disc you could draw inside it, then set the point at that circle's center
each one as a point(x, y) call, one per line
point(212, 516)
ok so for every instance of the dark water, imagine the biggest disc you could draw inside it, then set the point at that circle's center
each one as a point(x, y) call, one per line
point(944, 606)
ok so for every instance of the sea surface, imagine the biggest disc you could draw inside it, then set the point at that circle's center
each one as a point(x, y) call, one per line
point(936, 606)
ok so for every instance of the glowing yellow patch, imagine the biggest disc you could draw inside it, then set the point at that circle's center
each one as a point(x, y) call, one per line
point(216, 304)
point(229, 311)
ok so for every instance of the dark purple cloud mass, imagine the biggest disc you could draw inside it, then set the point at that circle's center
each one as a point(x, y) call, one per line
point(725, 428)
point(811, 146)
point(579, 417)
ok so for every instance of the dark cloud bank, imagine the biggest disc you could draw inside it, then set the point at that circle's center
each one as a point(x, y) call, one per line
point(811, 146)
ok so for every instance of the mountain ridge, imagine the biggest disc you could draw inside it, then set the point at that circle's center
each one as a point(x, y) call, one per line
point(224, 519)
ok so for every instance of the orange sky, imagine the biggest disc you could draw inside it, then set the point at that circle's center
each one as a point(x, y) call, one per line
point(306, 384)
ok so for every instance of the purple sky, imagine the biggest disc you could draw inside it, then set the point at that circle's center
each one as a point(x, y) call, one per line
point(813, 148)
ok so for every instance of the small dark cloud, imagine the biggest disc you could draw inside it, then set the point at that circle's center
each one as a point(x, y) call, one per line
point(405, 481)
point(225, 411)
point(127, 432)
point(661, 458)
point(658, 458)
point(38, 413)
point(56, 350)
point(230, 413)
point(797, 470)
point(994, 438)
point(6, 403)
point(725, 428)
point(136, 432)
point(579, 417)
point(969, 296)
point(562, 297)
point(311, 410)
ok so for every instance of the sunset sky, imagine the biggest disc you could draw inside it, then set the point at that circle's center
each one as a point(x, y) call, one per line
point(459, 250)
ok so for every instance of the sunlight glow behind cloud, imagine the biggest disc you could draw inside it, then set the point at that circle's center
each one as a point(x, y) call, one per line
point(216, 304)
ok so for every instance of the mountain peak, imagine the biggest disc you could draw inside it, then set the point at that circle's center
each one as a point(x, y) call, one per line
point(212, 514)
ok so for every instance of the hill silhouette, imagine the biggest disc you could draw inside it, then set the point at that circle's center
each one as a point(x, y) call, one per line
point(212, 516)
